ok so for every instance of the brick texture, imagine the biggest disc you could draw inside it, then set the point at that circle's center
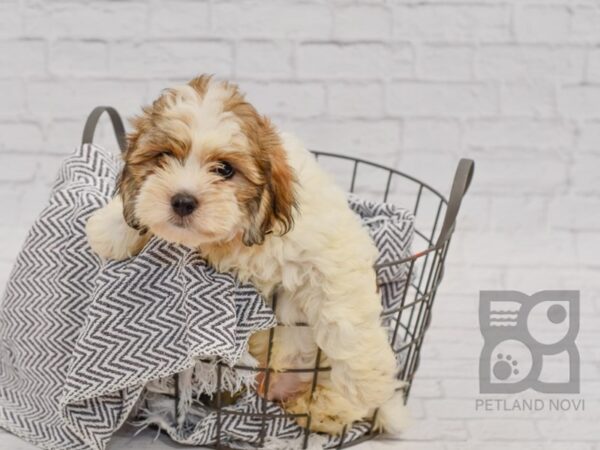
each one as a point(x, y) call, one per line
point(414, 84)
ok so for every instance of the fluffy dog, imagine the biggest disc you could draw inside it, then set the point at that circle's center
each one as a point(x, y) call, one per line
point(205, 170)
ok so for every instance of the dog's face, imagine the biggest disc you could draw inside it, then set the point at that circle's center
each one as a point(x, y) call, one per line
point(202, 167)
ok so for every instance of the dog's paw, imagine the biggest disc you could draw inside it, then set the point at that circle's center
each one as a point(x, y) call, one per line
point(109, 235)
point(393, 416)
point(282, 386)
point(329, 411)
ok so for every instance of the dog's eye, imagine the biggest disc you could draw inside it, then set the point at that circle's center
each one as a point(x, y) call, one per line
point(224, 169)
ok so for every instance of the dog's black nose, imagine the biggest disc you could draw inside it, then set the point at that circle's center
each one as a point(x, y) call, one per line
point(183, 204)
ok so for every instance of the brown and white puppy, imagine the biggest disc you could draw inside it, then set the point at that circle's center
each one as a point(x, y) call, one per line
point(205, 170)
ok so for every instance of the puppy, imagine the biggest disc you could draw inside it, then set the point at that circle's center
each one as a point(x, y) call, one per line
point(205, 170)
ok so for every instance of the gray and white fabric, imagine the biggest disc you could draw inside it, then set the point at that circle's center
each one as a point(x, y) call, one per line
point(80, 339)
point(392, 230)
point(241, 424)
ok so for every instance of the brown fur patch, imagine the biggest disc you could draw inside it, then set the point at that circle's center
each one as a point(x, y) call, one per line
point(273, 209)
point(274, 205)
point(146, 145)
point(200, 83)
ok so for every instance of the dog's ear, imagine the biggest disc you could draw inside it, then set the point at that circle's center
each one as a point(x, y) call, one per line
point(273, 208)
point(127, 185)
point(128, 189)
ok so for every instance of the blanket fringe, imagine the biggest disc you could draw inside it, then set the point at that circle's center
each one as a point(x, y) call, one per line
point(232, 380)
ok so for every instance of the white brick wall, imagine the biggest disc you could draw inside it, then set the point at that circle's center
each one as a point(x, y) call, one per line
point(416, 84)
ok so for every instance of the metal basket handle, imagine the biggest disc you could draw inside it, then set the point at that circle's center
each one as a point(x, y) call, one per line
point(460, 185)
point(92, 121)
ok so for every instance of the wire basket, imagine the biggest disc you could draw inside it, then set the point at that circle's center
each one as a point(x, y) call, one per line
point(435, 219)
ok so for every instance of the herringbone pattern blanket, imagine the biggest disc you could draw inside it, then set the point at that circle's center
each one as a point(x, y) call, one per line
point(80, 338)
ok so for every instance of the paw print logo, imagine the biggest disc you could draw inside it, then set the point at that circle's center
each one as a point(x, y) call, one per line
point(509, 362)
point(505, 366)
point(522, 333)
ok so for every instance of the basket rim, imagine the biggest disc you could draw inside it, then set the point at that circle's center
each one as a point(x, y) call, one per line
point(381, 166)
point(443, 199)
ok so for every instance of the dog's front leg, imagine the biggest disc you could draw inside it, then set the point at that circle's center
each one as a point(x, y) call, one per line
point(345, 320)
point(109, 235)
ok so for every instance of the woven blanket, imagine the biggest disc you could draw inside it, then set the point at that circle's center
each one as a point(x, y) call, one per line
point(81, 338)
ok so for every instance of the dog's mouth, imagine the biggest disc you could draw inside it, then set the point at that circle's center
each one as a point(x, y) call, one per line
point(180, 222)
point(186, 226)
point(188, 231)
